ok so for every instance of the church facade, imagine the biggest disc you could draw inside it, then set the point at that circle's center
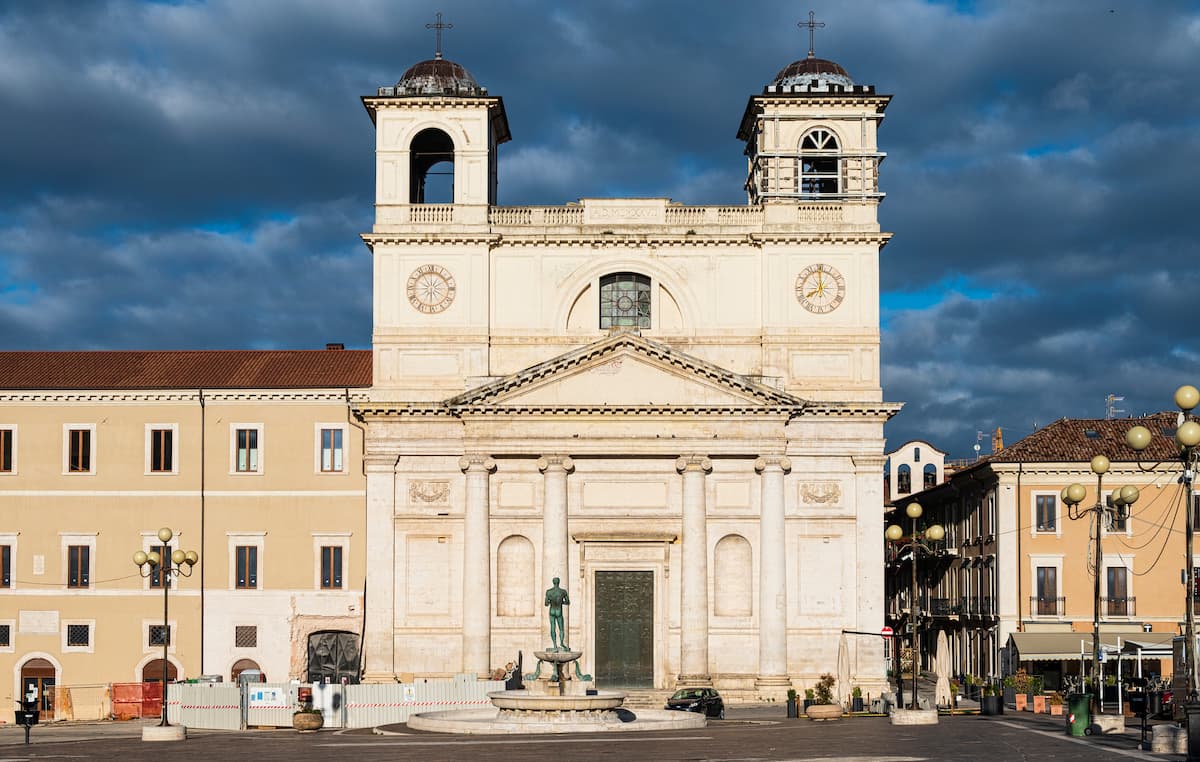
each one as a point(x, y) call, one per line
point(674, 409)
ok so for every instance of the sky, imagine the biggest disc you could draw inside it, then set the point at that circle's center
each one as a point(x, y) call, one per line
point(195, 175)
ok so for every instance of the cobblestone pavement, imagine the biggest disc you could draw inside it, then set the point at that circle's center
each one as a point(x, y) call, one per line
point(749, 733)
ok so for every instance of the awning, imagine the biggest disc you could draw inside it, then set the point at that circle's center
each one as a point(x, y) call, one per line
point(1153, 645)
point(1055, 646)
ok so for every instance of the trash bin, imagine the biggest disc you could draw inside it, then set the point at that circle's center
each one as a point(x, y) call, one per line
point(1137, 703)
point(1079, 716)
point(1154, 703)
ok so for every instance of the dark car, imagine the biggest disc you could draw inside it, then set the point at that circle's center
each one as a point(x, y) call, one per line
point(705, 701)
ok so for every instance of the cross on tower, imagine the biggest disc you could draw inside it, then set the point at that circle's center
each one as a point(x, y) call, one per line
point(439, 26)
point(811, 24)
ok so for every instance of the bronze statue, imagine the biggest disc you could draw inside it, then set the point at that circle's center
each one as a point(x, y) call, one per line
point(556, 598)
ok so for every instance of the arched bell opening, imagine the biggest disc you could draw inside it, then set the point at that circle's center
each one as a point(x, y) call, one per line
point(431, 168)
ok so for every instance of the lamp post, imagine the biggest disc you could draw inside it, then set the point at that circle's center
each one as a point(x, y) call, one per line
point(173, 565)
point(1187, 437)
point(1102, 515)
point(918, 543)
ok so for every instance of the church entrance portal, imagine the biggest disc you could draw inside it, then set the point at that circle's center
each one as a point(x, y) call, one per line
point(624, 618)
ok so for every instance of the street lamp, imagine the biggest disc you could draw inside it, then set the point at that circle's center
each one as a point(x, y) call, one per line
point(1187, 437)
point(176, 564)
point(918, 543)
point(1103, 515)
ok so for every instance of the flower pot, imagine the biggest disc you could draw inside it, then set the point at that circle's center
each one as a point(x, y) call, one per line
point(856, 704)
point(1039, 704)
point(1056, 710)
point(1022, 701)
point(824, 712)
point(991, 705)
point(1010, 695)
point(807, 704)
point(792, 710)
point(307, 722)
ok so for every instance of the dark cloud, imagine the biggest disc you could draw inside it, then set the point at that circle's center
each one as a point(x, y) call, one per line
point(195, 174)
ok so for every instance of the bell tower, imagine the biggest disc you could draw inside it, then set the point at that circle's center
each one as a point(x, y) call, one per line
point(810, 135)
point(436, 136)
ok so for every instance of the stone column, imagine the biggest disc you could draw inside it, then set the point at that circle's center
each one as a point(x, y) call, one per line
point(693, 660)
point(477, 567)
point(555, 542)
point(379, 634)
point(869, 578)
point(772, 579)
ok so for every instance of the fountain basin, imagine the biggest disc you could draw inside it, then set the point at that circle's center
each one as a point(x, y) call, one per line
point(493, 721)
point(545, 702)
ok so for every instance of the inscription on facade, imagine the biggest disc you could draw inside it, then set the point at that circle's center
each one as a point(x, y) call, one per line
point(38, 622)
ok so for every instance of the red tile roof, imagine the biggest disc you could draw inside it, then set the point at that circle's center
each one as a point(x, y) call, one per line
point(214, 369)
point(1076, 440)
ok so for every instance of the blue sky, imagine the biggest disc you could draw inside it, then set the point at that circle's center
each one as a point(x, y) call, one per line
point(196, 174)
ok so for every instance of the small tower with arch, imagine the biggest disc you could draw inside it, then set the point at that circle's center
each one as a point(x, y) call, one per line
point(810, 134)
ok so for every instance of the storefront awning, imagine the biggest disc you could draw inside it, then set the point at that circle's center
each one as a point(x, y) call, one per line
point(1055, 646)
point(1150, 644)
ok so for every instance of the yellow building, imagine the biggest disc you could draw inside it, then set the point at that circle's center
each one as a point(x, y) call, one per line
point(1016, 586)
point(250, 457)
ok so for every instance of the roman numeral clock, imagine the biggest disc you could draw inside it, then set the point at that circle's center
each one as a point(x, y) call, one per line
point(820, 288)
point(431, 289)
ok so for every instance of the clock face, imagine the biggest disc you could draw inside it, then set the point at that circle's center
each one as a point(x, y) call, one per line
point(430, 289)
point(820, 288)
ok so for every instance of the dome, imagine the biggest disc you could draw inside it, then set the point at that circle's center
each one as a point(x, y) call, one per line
point(438, 76)
point(811, 72)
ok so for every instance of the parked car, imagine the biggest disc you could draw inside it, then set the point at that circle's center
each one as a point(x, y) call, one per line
point(704, 701)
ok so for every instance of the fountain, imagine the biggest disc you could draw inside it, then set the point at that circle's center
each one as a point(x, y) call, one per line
point(519, 711)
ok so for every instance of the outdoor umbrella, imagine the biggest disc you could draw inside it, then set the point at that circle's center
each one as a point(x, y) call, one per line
point(843, 670)
point(942, 664)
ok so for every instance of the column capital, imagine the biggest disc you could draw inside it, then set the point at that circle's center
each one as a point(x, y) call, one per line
point(772, 462)
point(693, 463)
point(477, 462)
point(380, 463)
point(869, 462)
point(552, 462)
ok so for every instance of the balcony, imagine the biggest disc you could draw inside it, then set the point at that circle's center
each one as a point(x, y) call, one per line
point(1039, 606)
point(1118, 606)
point(943, 607)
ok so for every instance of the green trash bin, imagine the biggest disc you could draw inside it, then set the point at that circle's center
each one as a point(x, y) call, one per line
point(1079, 715)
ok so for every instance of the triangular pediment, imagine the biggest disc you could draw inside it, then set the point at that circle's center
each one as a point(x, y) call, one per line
point(625, 370)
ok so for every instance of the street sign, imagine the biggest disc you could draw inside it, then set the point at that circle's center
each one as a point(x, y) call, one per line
point(886, 632)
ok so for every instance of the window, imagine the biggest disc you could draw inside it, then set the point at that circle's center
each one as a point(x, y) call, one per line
point(159, 635)
point(1118, 518)
point(929, 476)
point(5, 566)
point(1047, 591)
point(5, 635)
point(624, 301)
point(904, 480)
point(78, 565)
point(331, 450)
point(916, 455)
point(1047, 513)
point(331, 567)
point(245, 636)
point(819, 164)
point(79, 635)
point(162, 451)
point(1119, 602)
point(79, 458)
point(157, 578)
point(247, 450)
point(246, 567)
point(7, 455)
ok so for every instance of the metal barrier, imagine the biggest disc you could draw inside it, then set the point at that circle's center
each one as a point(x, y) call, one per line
point(216, 706)
point(384, 704)
point(270, 704)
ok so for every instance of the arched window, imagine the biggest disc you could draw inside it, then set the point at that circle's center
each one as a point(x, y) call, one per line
point(820, 172)
point(624, 301)
point(903, 480)
point(431, 168)
point(930, 476)
point(240, 666)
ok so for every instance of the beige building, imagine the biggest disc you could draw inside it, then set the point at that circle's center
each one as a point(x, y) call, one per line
point(1017, 587)
point(674, 409)
point(252, 458)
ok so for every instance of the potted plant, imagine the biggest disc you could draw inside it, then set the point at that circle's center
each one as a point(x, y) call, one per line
point(989, 703)
point(1010, 690)
point(792, 710)
point(1110, 689)
point(956, 690)
point(1056, 703)
point(306, 719)
point(823, 707)
point(856, 699)
point(808, 698)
